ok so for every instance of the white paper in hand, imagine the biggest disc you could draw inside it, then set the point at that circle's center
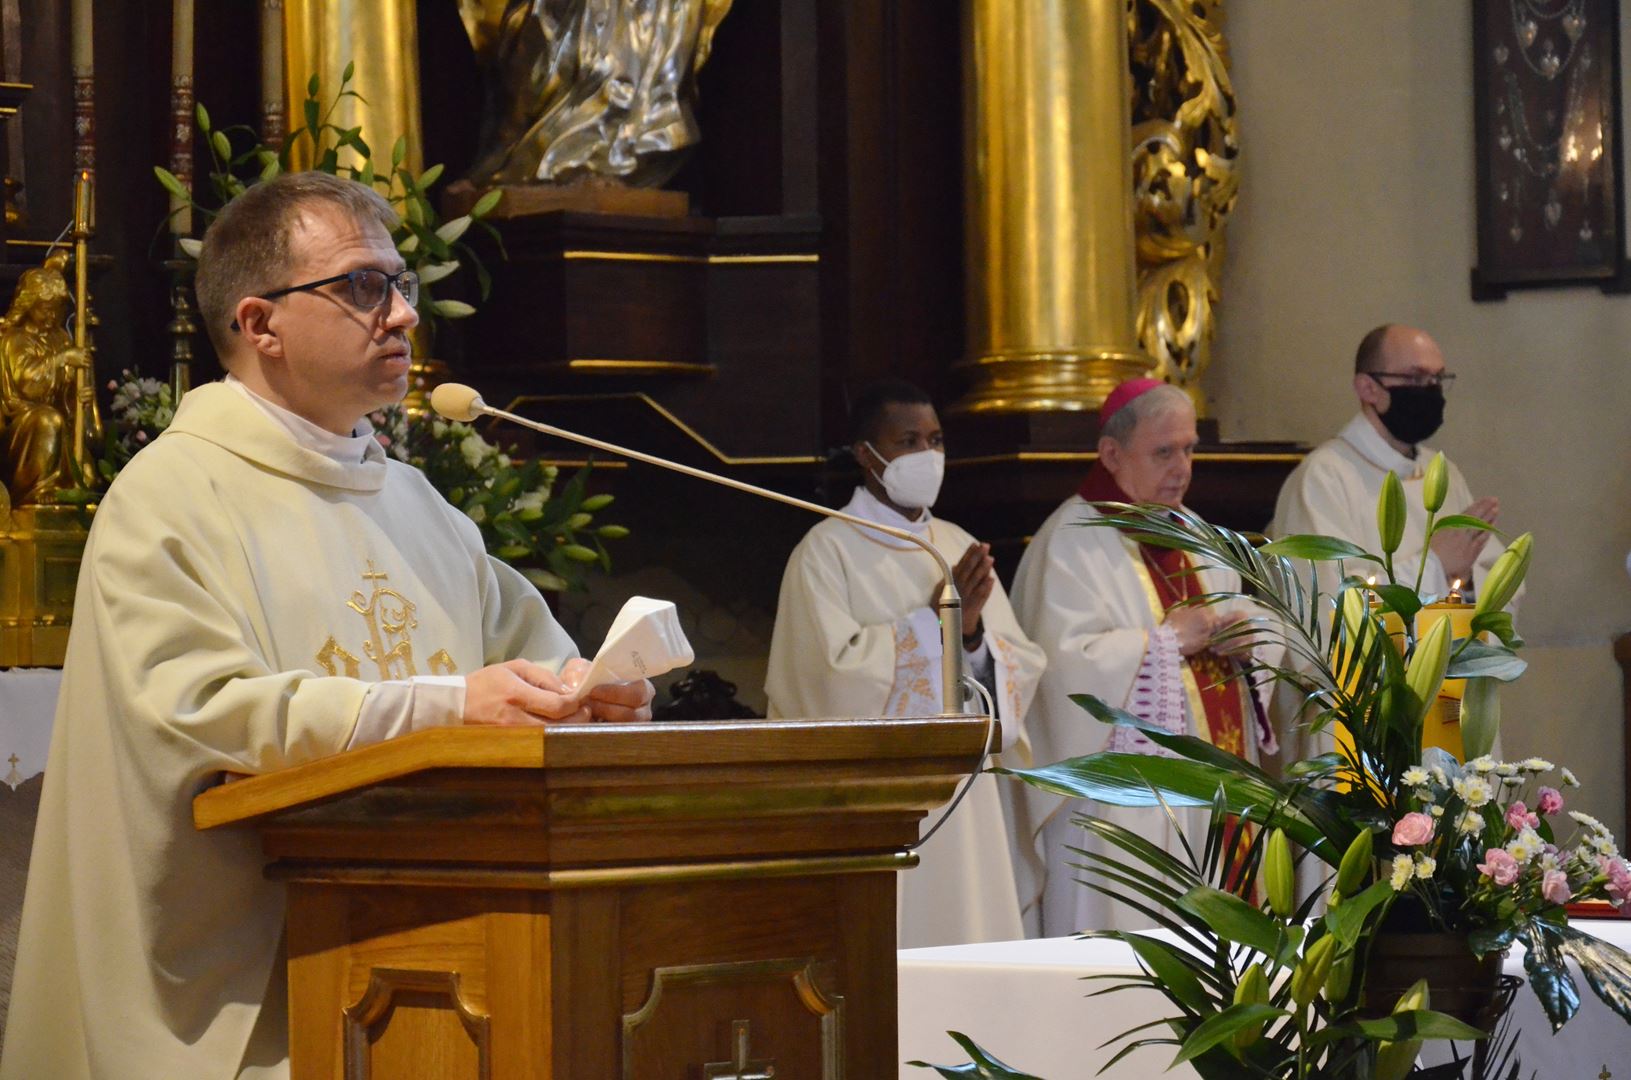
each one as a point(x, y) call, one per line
point(645, 641)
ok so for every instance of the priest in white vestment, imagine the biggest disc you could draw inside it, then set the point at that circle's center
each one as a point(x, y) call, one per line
point(1400, 382)
point(261, 587)
point(856, 635)
point(1106, 610)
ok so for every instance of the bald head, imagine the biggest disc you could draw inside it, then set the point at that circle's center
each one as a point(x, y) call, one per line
point(1394, 349)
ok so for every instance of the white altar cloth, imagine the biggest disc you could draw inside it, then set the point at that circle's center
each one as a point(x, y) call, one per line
point(28, 702)
point(1025, 1003)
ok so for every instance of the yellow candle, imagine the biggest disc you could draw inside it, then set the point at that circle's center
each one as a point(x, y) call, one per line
point(82, 53)
point(272, 62)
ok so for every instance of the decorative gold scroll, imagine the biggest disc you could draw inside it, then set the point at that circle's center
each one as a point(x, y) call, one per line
point(1185, 150)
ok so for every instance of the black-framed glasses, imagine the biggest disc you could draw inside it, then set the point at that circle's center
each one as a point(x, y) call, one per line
point(370, 288)
point(1444, 380)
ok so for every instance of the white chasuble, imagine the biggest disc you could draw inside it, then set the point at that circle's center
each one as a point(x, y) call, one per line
point(1085, 593)
point(239, 594)
point(855, 636)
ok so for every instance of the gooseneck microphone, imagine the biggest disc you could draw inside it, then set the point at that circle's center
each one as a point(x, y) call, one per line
point(461, 403)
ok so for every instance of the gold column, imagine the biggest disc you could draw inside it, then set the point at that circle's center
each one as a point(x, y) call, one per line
point(1048, 206)
point(381, 37)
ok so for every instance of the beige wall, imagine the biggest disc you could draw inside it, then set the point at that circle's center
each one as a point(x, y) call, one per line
point(1356, 208)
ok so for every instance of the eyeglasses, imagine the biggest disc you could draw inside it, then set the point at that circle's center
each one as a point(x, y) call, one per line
point(369, 287)
point(1443, 380)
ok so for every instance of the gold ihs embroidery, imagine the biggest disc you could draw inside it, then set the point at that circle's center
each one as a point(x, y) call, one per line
point(390, 619)
point(332, 651)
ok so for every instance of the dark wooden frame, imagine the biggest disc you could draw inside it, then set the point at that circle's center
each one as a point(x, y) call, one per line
point(1523, 246)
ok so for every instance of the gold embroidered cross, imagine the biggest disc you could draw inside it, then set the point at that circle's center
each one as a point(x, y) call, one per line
point(739, 1067)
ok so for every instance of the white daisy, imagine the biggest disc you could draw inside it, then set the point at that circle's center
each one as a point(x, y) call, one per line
point(1569, 778)
point(1474, 790)
point(1482, 764)
point(1415, 776)
point(1425, 866)
point(1402, 870)
point(1536, 765)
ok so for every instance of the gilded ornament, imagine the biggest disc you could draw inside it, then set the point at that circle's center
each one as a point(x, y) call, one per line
point(588, 90)
point(40, 380)
point(1185, 156)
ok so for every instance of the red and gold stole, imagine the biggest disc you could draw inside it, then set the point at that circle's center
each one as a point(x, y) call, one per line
point(1217, 682)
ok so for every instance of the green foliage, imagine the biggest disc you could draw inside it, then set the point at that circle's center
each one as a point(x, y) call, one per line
point(431, 247)
point(546, 529)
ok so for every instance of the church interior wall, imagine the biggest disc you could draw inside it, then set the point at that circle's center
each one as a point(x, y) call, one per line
point(1357, 208)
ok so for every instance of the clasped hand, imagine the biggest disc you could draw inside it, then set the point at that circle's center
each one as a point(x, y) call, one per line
point(1197, 626)
point(522, 692)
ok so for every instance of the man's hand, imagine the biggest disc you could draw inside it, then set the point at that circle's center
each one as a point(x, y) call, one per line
point(612, 703)
point(1458, 549)
point(974, 577)
point(519, 692)
point(1194, 627)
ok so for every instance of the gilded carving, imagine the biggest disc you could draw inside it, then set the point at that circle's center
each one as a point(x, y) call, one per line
point(39, 386)
point(1185, 155)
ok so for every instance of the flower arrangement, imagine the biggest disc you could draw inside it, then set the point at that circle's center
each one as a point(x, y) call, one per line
point(1272, 986)
point(548, 534)
point(431, 247)
point(141, 408)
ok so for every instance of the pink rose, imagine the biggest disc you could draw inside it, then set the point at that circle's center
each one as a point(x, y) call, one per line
point(1550, 801)
point(1518, 816)
point(1619, 880)
point(1554, 886)
point(1413, 829)
point(1499, 866)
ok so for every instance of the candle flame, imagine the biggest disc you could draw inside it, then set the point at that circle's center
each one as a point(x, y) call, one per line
point(1455, 586)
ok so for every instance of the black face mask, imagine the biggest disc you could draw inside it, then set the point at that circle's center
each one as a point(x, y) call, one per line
point(1413, 412)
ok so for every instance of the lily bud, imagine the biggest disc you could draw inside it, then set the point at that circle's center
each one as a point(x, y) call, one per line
point(1279, 877)
point(1340, 981)
point(1390, 513)
point(1309, 977)
point(1252, 989)
point(1435, 484)
point(1356, 864)
point(1505, 576)
point(1424, 674)
point(1395, 1059)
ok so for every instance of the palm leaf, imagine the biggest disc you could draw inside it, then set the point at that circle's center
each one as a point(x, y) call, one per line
point(983, 1066)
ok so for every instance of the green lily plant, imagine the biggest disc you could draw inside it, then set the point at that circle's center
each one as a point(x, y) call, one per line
point(431, 247)
point(1276, 988)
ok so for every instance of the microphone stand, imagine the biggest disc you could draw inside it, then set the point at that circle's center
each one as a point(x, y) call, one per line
point(460, 403)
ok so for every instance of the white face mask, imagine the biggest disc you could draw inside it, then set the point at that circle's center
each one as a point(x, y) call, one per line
point(913, 480)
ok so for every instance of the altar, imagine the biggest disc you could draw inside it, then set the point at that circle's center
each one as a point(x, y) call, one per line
point(1025, 1003)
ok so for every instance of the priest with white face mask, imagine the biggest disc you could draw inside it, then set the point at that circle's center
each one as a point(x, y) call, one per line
point(1111, 614)
point(857, 635)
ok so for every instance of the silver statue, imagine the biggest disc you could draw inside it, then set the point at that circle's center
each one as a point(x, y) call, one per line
point(587, 89)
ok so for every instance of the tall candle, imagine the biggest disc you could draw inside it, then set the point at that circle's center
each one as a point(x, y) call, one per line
point(82, 54)
point(273, 118)
point(181, 113)
point(84, 95)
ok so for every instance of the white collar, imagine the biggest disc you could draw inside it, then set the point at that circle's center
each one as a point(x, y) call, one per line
point(1362, 435)
point(344, 449)
point(863, 504)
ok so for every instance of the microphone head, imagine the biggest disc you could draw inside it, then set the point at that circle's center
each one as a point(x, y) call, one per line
point(456, 401)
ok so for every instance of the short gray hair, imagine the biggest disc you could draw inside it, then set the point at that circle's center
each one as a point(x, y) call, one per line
point(246, 248)
point(1157, 401)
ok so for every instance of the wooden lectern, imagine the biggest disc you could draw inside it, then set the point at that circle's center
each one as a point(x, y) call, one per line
point(590, 902)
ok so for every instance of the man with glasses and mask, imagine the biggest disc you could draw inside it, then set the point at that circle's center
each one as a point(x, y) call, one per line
point(856, 635)
point(1400, 381)
point(262, 587)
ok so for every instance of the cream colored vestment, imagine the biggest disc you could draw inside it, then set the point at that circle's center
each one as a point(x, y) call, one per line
point(854, 637)
point(1085, 594)
point(239, 594)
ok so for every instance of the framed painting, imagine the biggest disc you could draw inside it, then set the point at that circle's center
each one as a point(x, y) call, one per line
point(1546, 102)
